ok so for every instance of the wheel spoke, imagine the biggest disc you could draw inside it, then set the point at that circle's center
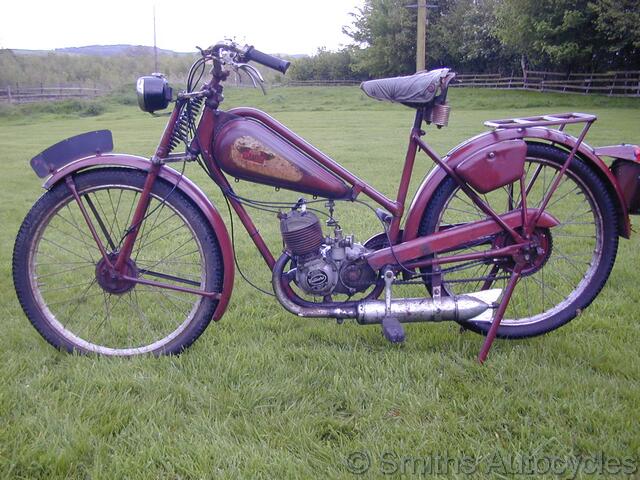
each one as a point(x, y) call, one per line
point(164, 235)
point(82, 231)
point(144, 237)
point(81, 299)
point(172, 252)
point(89, 247)
point(115, 210)
point(562, 197)
point(67, 250)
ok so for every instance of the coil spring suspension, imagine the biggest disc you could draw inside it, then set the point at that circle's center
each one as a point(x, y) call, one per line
point(186, 120)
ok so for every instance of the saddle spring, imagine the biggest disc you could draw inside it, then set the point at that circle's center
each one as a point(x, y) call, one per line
point(439, 114)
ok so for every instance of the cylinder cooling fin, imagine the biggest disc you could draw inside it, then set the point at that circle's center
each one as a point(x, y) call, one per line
point(301, 232)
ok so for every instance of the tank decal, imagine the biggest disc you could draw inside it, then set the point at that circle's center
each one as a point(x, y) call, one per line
point(250, 150)
point(249, 154)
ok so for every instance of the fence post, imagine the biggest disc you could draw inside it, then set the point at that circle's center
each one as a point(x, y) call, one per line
point(10, 100)
point(613, 82)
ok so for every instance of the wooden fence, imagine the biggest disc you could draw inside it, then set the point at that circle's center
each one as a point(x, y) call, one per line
point(612, 83)
point(321, 83)
point(18, 94)
point(625, 84)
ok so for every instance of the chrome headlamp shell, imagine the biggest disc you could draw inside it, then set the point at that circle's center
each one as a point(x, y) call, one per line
point(154, 92)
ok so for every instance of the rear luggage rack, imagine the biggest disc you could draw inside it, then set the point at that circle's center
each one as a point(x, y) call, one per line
point(561, 119)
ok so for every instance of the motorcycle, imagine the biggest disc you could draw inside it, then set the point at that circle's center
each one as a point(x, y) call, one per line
point(511, 235)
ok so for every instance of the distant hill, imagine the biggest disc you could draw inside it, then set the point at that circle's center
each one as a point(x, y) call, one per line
point(104, 66)
point(115, 50)
point(103, 51)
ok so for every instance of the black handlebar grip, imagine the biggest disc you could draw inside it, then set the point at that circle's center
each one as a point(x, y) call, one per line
point(267, 60)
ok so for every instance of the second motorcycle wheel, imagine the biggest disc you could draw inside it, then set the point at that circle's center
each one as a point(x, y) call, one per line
point(573, 260)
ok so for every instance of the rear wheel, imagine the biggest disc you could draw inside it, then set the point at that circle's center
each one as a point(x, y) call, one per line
point(573, 262)
point(67, 291)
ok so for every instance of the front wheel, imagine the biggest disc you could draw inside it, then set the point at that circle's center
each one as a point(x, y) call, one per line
point(66, 290)
point(575, 257)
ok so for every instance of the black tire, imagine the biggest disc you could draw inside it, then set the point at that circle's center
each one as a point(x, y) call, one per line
point(576, 244)
point(55, 257)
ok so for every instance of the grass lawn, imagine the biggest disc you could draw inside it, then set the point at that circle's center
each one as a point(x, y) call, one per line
point(263, 394)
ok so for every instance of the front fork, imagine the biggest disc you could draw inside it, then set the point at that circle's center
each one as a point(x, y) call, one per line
point(138, 217)
point(119, 268)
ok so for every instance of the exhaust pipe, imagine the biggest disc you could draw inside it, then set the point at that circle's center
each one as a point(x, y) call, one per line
point(473, 306)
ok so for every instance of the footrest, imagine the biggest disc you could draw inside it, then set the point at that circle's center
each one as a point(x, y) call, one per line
point(392, 330)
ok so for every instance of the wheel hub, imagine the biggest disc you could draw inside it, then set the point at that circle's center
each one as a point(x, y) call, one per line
point(110, 280)
point(532, 258)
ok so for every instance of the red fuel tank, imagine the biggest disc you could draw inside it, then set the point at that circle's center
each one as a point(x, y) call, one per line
point(249, 150)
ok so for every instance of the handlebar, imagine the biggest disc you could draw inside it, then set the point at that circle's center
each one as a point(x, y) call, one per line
point(267, 60)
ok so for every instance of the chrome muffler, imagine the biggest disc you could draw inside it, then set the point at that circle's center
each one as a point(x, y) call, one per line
point(476, 306)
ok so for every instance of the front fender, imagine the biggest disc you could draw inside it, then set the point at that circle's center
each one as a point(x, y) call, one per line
point(469, 147)
point(187, 187)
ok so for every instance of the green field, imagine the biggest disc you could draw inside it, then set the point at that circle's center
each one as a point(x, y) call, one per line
point(263, 394)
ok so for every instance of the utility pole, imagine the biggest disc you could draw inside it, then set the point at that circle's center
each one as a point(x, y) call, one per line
point(421, 54)
point(155, 46)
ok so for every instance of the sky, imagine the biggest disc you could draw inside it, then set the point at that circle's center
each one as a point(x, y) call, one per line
point(276, 26)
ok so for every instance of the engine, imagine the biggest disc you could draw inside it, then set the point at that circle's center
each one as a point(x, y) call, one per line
point(324, 265)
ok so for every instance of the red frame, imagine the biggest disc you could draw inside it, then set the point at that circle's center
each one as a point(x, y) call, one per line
point(406, 251)
point(405, 247)
point(402, 251)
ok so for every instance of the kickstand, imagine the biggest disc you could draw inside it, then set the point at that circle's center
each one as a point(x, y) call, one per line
point(491, 335)
point(391, 327)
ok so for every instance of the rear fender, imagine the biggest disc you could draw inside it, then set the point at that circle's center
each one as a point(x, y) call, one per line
point(626, 169)
point(532, 134)
point(190, 189)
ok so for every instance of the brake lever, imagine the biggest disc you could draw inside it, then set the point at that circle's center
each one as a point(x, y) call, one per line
point(251, 70)
point(253, 74)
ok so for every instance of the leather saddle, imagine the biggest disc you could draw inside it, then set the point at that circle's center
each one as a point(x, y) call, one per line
point(415, 90)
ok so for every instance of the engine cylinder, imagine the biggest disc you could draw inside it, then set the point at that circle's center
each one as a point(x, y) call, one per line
point(301, 232)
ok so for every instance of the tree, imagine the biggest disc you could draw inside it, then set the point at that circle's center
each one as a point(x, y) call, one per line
point(324, 65)
point(463, 37)
point(384, 32)
point(555, 34)
point(618, 22)
point(460, 34)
